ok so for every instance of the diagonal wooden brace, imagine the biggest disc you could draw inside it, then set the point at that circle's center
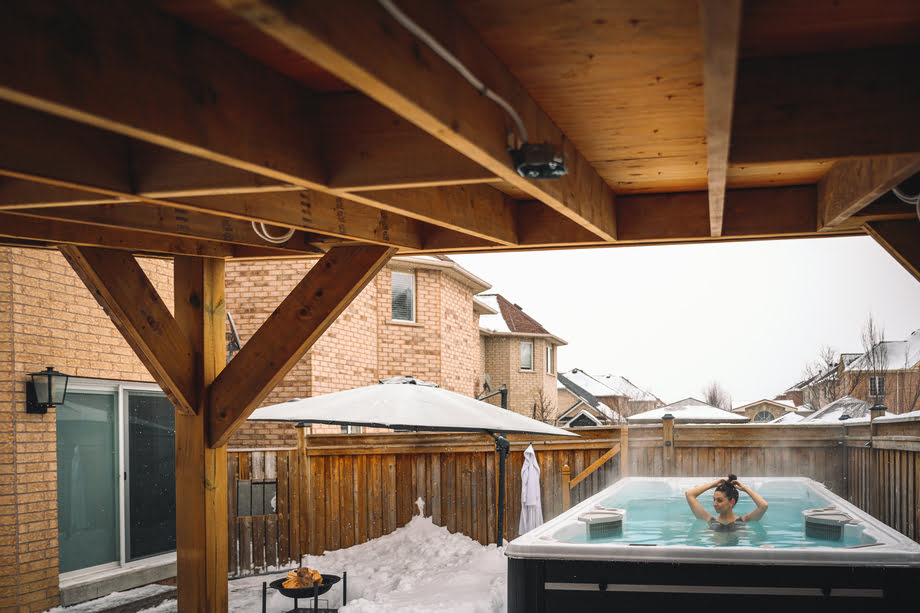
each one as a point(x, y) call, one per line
point(901, 239)
point(288, 334)
point(119, 284)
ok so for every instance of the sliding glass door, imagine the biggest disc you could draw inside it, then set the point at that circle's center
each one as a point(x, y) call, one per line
point(116, 474)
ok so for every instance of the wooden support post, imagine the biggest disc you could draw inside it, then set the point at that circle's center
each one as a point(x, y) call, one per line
point(667, 433)
point(201, 470)
point(566, 494)
point(624, 451)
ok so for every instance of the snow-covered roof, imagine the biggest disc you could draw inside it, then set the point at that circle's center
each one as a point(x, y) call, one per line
point(606, 385)
point(911, 416)
point(855, 409)
point(897, 354)
point(688, 410)
point(788, 418)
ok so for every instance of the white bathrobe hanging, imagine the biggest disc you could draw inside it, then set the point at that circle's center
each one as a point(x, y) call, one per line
point(531, 509)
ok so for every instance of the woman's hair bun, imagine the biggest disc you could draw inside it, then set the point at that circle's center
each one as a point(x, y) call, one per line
point(732, 478)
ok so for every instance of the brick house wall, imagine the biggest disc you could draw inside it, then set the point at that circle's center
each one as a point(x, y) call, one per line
point(902, 389)
point(503, 364)
point(47, 318)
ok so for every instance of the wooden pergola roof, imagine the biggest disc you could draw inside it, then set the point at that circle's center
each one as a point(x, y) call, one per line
point(167, 127)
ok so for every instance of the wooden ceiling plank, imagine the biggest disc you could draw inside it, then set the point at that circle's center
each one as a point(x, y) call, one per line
point(311, 307)
point(721, 26)
point(478, 210)
point(173, 222)
point(357, 41)
point(845, 104)
point(367, 147)
point(62, 232)
point(851, 185)
point(122, 288)
point(901, 239)
point(22, 194)
point(131, 69)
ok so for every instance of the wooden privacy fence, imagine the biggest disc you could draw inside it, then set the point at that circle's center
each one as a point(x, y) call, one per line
point(342, 490)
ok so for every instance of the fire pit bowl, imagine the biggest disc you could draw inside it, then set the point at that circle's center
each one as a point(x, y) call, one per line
point(305, 592)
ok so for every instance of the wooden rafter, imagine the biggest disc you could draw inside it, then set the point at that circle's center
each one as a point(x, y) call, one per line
point(358, 42)
point(368, 146)
point(188, 91)
point(119, 284)
point(171, 222)
point(310, 308)
point(478, 210)
point(850, 185)
point(901, 239)
point(721, 27)
point(831, 105)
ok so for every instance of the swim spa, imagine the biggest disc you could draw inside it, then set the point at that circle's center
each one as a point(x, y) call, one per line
point(660, 554)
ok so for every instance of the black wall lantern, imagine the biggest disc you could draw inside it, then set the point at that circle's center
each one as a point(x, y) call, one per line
point(46, 389)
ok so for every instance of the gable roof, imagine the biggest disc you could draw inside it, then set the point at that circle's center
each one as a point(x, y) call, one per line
point(605, 385)
point(509, 318)
point(898, 355)
point(688, 410)
point(586, 398)
point(786, 405)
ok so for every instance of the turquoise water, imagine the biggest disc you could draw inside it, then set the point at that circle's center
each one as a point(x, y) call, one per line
point(657, 514)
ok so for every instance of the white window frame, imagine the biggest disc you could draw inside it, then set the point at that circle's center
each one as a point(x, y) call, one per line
point(523, 367)
point(874, 381)
point(411, 276)
point(549, 359)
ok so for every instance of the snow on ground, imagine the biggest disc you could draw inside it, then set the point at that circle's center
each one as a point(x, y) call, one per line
point(418, 568)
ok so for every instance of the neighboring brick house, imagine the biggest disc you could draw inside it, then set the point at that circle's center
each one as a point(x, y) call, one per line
point(765, 410)
point(520, 353)
point(80, 514)
point(889, 374)
point(583, 408)
point(427, 328)
point(613, 391)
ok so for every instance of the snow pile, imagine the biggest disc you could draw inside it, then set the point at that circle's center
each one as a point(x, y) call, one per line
point(419, 567)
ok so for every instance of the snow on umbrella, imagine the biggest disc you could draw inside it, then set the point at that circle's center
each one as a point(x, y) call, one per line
point(410, 404)
point(531, 510)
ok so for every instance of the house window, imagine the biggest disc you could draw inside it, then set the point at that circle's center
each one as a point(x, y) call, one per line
point(549, 359)
point(877, 386)
point(526, 356)
point(403, 285)
point(763, 416)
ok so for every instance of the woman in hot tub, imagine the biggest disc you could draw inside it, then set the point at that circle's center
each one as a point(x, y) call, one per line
point(723, 501)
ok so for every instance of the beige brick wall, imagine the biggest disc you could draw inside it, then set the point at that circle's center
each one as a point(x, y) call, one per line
point(502, 358)
point(901, 389)
point(47, 318)
point(411, 348)
point(459, 338)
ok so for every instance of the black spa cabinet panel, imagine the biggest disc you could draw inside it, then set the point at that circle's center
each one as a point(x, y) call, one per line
point(570, 586)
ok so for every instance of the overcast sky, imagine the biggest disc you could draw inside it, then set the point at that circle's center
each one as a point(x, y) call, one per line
point(671, 319)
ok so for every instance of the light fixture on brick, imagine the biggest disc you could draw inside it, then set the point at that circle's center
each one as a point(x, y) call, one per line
point(46, 389)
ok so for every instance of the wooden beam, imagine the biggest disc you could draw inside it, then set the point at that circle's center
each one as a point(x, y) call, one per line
point(131, 69)
point(122, 288)
point(23, 194)
point(594, 466)
point(172, 222)
point(357, 41)
point(201, 470)
point(845, 104)
point(749, 213)
point(368, 146)
point(721, 28)
point(478, 210)
point(310, 308)
point(851, 185)
point(73, 233)
point(901, 239)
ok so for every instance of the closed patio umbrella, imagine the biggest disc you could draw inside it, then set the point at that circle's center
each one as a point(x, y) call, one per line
point(406, 403)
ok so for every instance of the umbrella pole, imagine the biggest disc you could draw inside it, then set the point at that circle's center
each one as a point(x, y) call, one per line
point(502, 446)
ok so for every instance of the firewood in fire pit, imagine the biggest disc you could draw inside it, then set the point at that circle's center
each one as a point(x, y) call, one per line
point(303, 577)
